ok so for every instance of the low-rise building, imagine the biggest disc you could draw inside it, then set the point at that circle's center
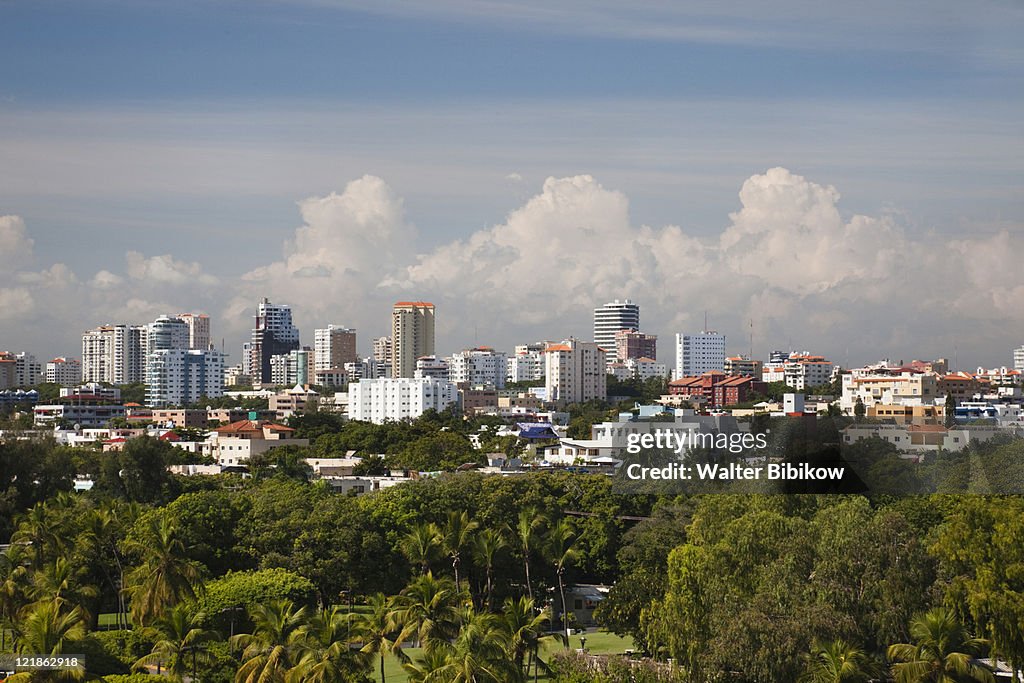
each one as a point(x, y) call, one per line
point(716, 388)
point(298, 399)
point(80, 410)
point(916, 438)
point(888, 386)
point(478, 400)
point(192, 418)
point(401, 398)
point(234, 444)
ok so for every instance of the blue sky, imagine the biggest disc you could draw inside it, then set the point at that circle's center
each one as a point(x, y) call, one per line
point(192, 129)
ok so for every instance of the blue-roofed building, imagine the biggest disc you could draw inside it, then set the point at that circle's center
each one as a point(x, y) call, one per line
point(536, 430)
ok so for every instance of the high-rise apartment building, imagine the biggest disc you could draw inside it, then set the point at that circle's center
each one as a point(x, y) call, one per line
point(527, 365)
point(27, 372)
point(294, 367)
point(699, 353)
point(382, 349)
point(334, 346)
point(609, 319)
point(115, 354)
point(273, 334)
point(198, 329)
point(178, 376)
point(633, 344)
point(575, 372)
point(167, 333)
point(66, 372)
point(412, 335)
point(1018, 359)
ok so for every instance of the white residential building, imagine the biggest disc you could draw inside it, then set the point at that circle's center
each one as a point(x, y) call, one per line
point(294, 367)
point(575, 372)
point(645, 368)
point(167, 333)
point(481, 366)
point(803, 371)
point(609, 319)
point(334, 346)
point(527, 365)
point(367, 368)
point(431, 367)
point(1018, 359)
point(395, 399)
point(176, 377)
point(115, 354)
point(64, 371)
point(699, 353)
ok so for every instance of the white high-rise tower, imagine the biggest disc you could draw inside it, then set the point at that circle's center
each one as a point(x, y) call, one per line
point(609, 319)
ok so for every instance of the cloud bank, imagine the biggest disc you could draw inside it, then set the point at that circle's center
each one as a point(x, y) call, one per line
point(788, 266)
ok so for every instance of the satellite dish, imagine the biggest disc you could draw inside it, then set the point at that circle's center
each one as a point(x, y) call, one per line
point(78, 427)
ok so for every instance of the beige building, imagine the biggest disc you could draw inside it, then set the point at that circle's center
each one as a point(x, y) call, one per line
point(742, 365)
point(899, 387)
point(412, 335)
point(198, 330)
point(900, 414)
point(181, 417)
point(295, 400)
point(575, 372)
point(235, 443)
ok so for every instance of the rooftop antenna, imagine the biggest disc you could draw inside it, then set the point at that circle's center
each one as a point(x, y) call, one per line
point(705, 321)
point(751, 338)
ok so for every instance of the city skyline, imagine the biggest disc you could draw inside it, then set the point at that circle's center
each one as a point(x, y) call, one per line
point(851, 184)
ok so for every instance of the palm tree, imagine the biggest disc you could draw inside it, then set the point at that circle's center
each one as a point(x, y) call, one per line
point(561, 553)
point(525, 629)
point(456, 534)
point(49, 629)
point(428, 608)
point(326, 656)
point(37, 530)
point(838, 662)
point(527, 527)
point(478, 653)
point(379, 631)
point(103, 526)
point(179, 643)
point(486, 545)
point(14, 588)
point(274, 646)
point(426, 668)
point(60, 583)
point(942, 652)
point(165, 577)
point(423, 545)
